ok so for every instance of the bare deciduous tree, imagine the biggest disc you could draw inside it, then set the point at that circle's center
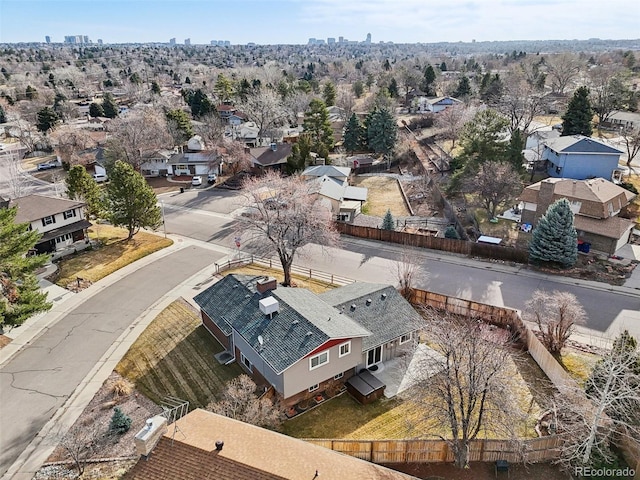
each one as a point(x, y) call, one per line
point(469, 391)
point(592, 426)
point(69, 142)
point(284, 214)
point(521, 102)
point(631, 140)
point(81, 442)
point(136, 134)
point(451, 120)
point(210, 128)
point(235, 157)
point(265, 109)
point(296, 103)
point(240, 402)
point(496, 183)
point(556, 315)
point(16, 178)
point(407, 270)
point(562, 70)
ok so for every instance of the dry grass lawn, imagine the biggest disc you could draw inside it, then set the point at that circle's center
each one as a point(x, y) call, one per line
point(174, 356)
point(578, 364)
point(114, 254)
point(384, 193)
point(316, 286)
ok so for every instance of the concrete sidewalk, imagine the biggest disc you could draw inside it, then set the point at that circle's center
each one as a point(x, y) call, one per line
point(38, 450)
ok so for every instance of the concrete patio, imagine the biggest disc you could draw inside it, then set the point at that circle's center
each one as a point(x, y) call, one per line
point(401, 373)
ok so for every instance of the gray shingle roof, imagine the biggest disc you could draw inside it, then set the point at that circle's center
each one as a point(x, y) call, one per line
point(387, 316)
point(579, 144)
point(232, 303)
point(35, 207)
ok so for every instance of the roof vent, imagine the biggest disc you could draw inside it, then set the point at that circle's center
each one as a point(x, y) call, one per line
point(295, 322)
point(269, 306)
point(308, 334)
point(383, 296)
point(368, 301)
point(353, 307)
point(219, 445)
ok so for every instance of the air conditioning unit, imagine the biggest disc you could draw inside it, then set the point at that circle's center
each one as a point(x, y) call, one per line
point(269, 306)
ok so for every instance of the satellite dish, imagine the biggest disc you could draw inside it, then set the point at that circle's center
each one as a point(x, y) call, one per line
point(260, 340)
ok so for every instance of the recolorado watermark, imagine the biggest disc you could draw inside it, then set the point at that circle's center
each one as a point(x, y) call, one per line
point(605, 472)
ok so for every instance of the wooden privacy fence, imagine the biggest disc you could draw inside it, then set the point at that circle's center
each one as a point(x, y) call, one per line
point(438, 451)
point(435, 243)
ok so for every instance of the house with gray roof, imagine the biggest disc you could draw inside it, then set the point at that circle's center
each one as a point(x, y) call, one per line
point(301, 343)
point(61, 221)
point(579, 157)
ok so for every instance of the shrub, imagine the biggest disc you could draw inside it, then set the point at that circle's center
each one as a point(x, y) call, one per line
point(120, 422)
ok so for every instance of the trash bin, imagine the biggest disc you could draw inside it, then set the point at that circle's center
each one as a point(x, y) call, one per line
point(586, 246)
point(181, 189)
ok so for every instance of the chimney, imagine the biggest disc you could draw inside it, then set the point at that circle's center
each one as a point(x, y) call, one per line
point(147, 438)
point(545, 199)
point(274, 146)
point(266, 284)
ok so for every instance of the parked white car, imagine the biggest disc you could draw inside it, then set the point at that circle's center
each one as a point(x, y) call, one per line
point(99, 177)
point(196, 181)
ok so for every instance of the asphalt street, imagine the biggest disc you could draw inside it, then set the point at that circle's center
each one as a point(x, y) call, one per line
point(208, 217)
point(45, 373)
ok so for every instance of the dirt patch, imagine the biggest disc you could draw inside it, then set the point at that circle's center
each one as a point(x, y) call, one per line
point(99, 412)
point(384, 193)
point(162, 185)
point(4, 341)
point(595, 267)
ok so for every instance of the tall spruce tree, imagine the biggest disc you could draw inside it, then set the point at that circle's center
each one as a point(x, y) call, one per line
point(353, 134)
point(318, 126)
point(109, 106)
point(428, 81)
point(579, 115)
point(555, 239)
point(20, 295)
point(47, 119)
point(382, 131)
point(131, 202)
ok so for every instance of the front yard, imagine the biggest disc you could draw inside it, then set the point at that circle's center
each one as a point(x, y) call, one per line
point(113, 253)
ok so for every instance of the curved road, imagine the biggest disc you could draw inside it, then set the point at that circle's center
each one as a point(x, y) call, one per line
point(39, 379)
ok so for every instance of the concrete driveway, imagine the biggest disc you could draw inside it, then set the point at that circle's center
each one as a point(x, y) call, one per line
point(38, 380)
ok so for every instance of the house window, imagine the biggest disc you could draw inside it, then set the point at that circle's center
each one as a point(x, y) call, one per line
point(245, 361)
point(48, 220)
point(313, 388)
point(69, 214)
point(318, 360)
point(405, 338)
point(63, 238)
point(345, 349)
point(610, 205)
point(338, 376)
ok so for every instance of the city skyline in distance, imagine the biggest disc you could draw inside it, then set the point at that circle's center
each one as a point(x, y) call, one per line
point(295, 21)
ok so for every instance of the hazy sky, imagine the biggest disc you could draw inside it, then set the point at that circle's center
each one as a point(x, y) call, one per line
point(294, 21)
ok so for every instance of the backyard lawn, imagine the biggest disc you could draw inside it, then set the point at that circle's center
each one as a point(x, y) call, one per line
point(174, 356)
point(116, 252)
point(316, 286)
point(384, 193)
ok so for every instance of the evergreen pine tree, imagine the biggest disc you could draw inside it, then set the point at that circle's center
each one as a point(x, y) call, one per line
point(429, 80)
point(318, 126)
point(20, 295)
point(329, 94)
point(464, 88)
point(47, 119)
point(95, 110)
point(131, 202)
point(579, 115)
point(382, 131)
point(80, 186)
point(387, 221)
point(155, 88)
point(109, 106)
point(451, 232)
point(555, 238)
point(120, 422)
point(514, 151)
point(353, 134)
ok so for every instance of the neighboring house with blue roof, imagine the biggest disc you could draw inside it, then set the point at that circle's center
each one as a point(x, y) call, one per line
point(302, 343)
point(579, 157)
